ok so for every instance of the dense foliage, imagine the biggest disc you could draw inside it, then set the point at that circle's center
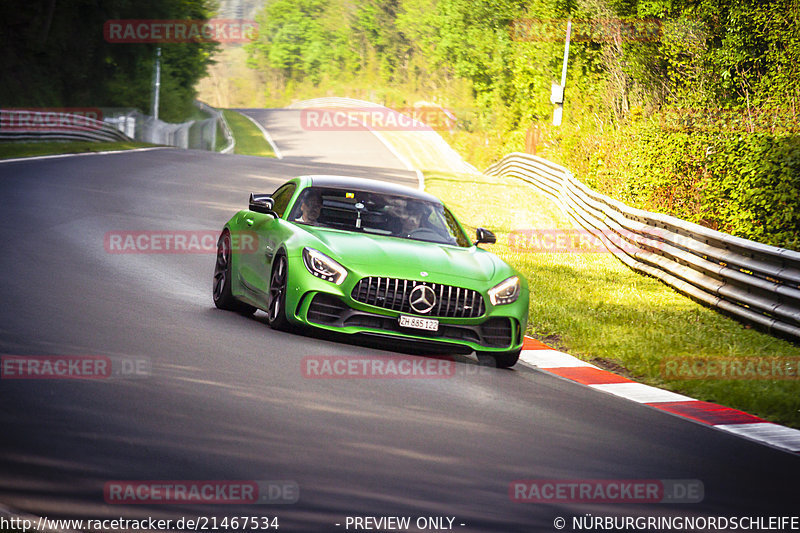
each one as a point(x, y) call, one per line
point(53, 54)
point(687, 107)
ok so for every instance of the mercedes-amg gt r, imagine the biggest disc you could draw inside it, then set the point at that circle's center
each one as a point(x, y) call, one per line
point(368, 257)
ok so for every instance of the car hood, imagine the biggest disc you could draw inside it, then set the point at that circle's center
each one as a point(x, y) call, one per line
point(403, 258)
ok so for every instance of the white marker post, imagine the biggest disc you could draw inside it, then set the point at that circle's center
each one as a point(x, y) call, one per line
point(156, 84)
point(557, 91)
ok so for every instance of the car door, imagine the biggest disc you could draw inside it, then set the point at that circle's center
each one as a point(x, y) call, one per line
point(256, 267)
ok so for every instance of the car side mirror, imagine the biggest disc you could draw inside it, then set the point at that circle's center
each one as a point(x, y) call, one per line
point(485, 236)
point(262, 203)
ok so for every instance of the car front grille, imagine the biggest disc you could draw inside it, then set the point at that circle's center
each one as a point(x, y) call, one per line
point(393, 293)
point(328, 310)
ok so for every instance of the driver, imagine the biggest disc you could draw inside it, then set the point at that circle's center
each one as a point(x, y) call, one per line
point(310, 207)
point(415, 213)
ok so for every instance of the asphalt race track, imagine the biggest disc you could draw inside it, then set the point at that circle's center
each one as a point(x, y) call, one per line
point(224, 397)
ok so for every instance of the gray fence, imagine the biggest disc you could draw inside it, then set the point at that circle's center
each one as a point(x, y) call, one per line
point(117, 124)
point(197, 134)
point(755, 282)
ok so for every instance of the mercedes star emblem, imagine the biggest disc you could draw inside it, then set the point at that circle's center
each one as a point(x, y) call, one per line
point(422, 299)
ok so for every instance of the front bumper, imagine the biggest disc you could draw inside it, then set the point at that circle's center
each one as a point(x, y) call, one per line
point(330, 312)
point(319, 304)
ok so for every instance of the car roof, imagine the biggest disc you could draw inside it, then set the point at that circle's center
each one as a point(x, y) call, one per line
point(369, 185)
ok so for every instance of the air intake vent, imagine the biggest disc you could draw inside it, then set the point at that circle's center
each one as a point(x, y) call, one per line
point(326, 309)
point(395, 294)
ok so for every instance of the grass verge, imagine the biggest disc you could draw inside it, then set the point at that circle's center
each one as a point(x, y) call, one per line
point(249, 139)
point(592, 306)
point(12, 149)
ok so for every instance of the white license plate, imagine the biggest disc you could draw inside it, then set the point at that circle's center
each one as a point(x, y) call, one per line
point(428, 324)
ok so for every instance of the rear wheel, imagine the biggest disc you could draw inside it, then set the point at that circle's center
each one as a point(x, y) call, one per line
point(499, 359)
point(276, 315)
point(223, 297)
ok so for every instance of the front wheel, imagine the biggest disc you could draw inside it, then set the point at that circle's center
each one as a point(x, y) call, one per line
point(499, 359)
point(276, 315)
point(223, 297)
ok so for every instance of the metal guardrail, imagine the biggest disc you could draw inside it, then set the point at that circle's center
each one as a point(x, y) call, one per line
point(752, 281)
point(117, 125)
point(226, 129)
point(21, 125)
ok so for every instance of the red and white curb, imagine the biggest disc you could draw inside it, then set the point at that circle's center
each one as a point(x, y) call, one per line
point(734, 421)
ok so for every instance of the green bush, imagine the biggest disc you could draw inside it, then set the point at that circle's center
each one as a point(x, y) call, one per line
point(745, 184)
point(756, 186)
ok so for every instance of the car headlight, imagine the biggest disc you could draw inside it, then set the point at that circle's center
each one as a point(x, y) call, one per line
point(323, 266)
point(506, 292)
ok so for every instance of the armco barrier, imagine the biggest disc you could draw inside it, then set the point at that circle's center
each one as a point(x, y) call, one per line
point(124, 124)
point(226, 129)
point(753, 281)
point(21, 125)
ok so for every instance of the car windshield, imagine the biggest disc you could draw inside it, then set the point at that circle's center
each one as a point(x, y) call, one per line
point(378, 214)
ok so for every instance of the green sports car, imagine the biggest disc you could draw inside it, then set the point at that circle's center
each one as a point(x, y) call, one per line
point(369, 257)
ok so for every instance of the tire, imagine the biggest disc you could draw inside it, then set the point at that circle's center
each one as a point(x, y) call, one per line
point(221, 288)
point(499, 359)
point(276, 311)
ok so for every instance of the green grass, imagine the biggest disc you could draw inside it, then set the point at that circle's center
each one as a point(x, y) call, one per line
point(12, 149)
point(594, 307)
point(249, 139)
